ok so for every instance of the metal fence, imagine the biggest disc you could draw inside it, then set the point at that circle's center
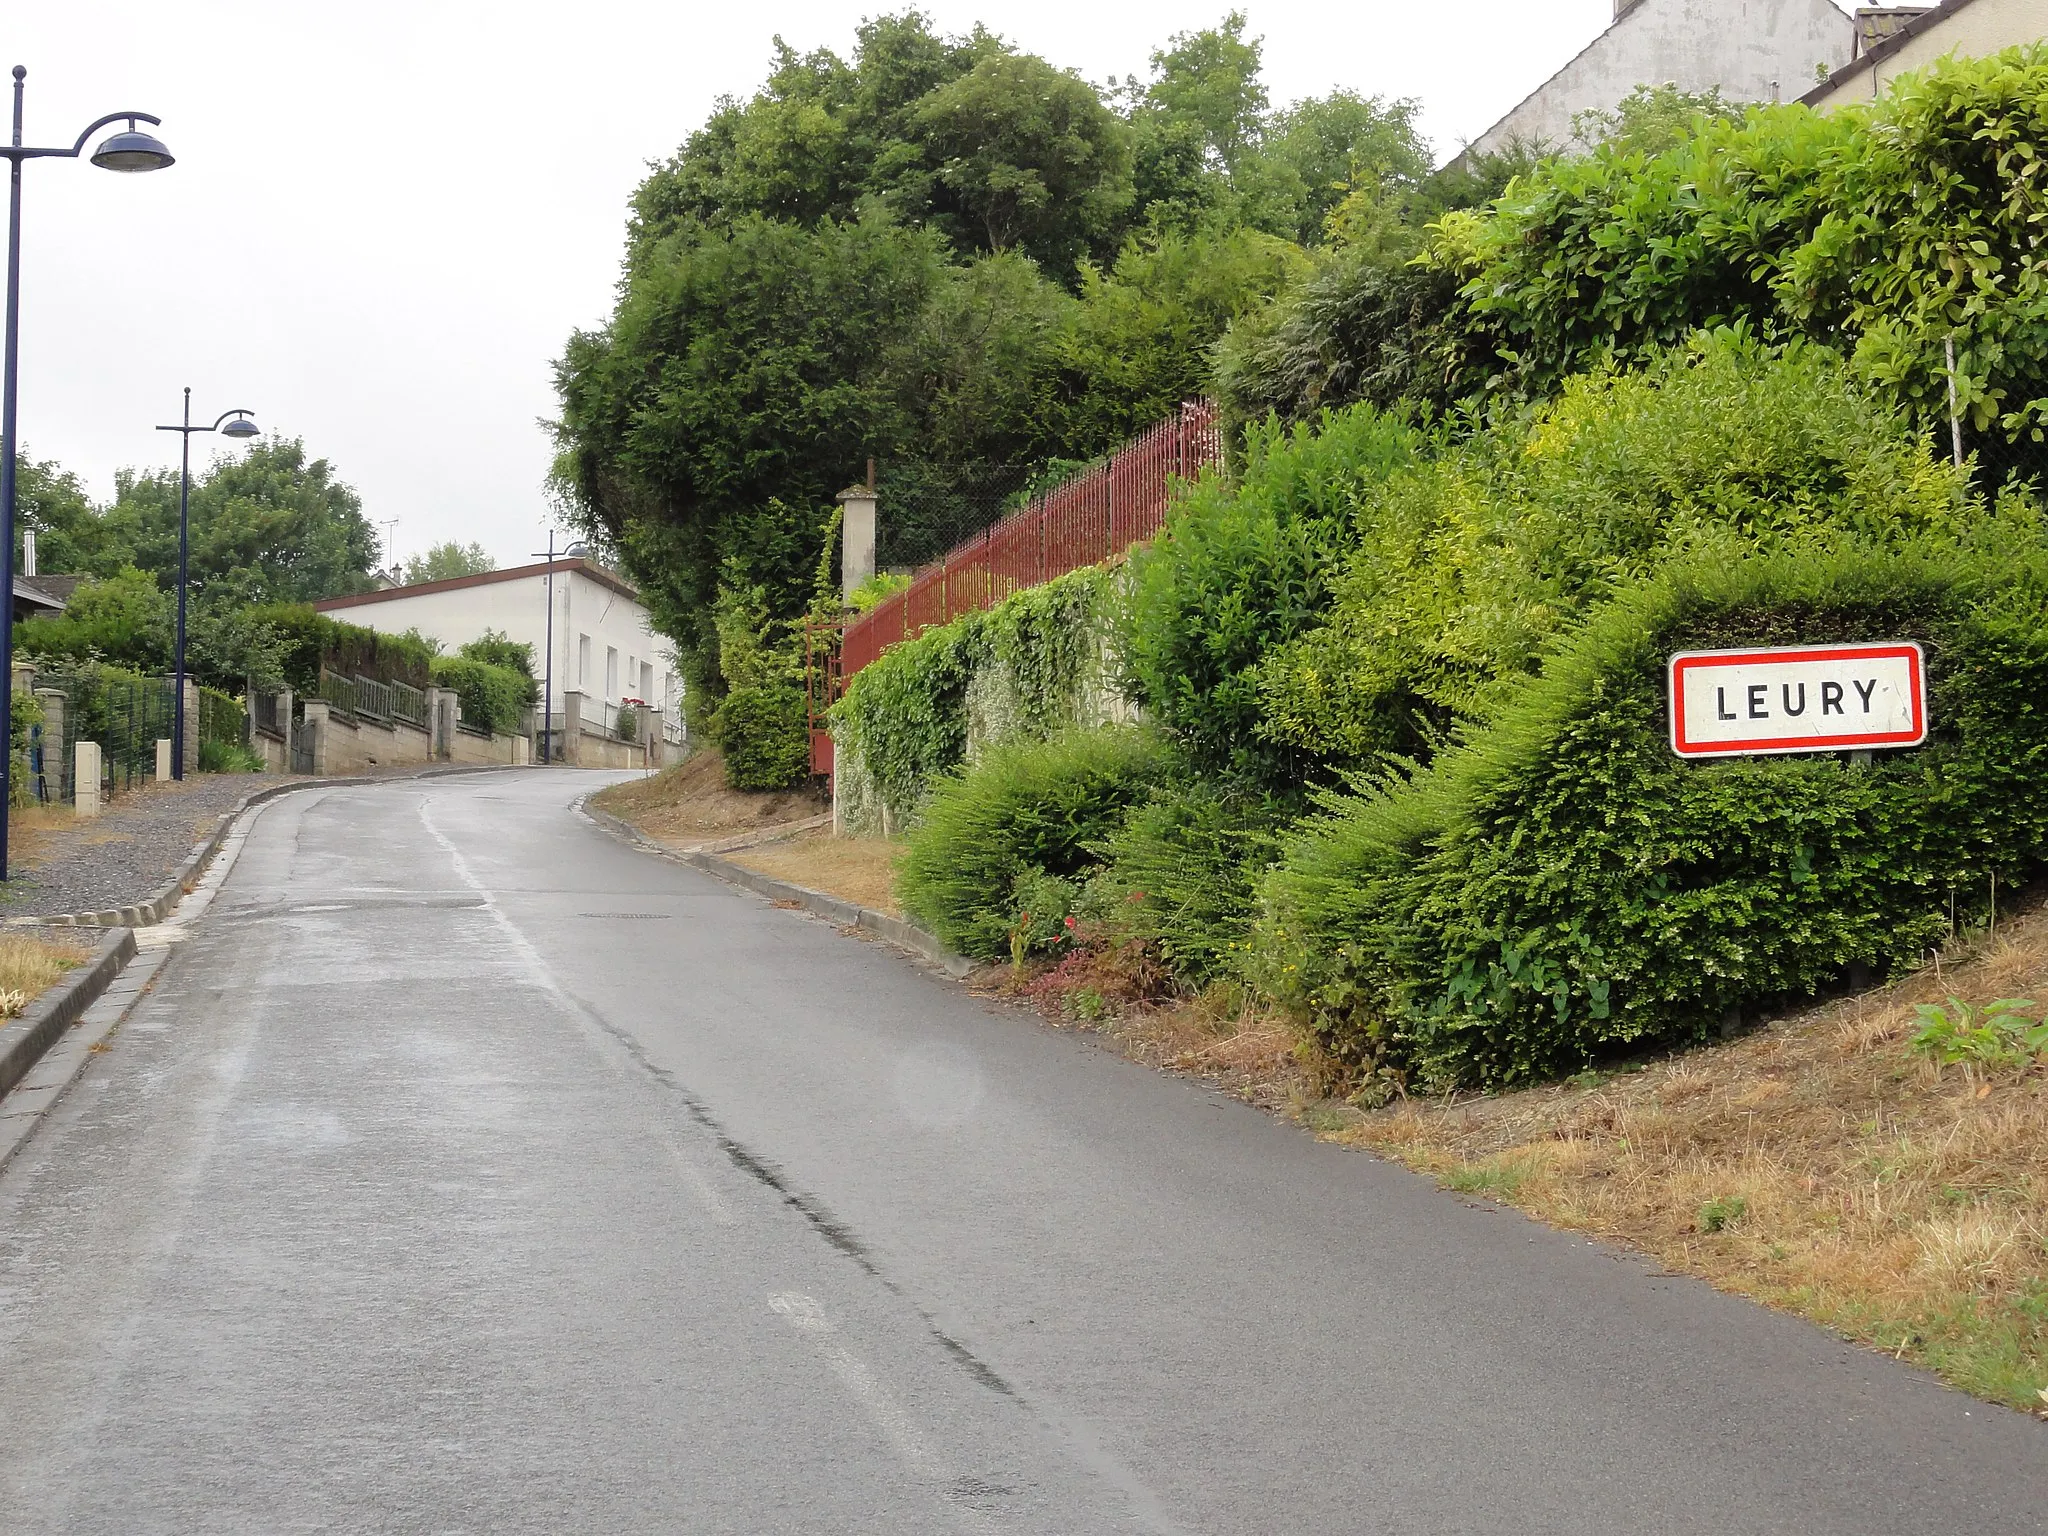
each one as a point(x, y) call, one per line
point(364, 697)
point(222, 720)
point(1099, 512)
point(125, 715)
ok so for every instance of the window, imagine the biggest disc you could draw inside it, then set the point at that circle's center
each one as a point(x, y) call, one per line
point(582, 660)
point(647, 682)
point(611, 672)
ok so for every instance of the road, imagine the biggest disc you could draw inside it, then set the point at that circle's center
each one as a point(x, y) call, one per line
point(467, 1170)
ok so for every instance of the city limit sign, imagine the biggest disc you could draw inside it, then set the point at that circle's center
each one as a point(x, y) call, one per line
point(1820, 698)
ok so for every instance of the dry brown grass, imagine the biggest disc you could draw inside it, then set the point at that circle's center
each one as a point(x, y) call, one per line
point(1821, 1166)
point(857, 869)
point(690, 803)
point(30, 966)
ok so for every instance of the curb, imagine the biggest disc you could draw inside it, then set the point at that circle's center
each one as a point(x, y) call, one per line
point(898, 932)
point(23, 1040)
point(147, 914)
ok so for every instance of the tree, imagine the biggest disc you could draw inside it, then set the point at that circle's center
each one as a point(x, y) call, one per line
point(51, 500)
point(444, 562)
point(269, 524)
point(1211, 78)
point(1031, 156)
point(745, 376)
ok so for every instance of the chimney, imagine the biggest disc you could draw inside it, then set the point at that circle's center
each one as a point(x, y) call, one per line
point(28, 551)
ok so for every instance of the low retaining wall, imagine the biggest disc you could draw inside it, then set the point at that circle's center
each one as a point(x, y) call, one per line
point(343, 744)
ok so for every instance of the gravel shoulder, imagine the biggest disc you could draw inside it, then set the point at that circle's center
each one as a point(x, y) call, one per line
point(124, 855)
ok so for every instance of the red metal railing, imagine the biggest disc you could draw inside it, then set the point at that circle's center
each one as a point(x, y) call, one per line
point(1099, 513)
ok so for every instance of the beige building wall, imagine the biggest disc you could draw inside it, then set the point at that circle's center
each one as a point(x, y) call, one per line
point(1970, 29)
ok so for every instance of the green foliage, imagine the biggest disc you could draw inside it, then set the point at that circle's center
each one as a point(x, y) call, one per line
point(494, 647)
point(763, 730)
point(876, 590)
point(228, 757)
point(124, 619)
point(1189, 862)
point(2003, 1038)
point(1722, 1212)
point(627, 723)
point(1029, 154)
point(1465, 567)
point(445, 562)
point(308, 641)
point(907, 717)
point(1558, 886)
point(489, 697)
point(1654, 118)
point(1026, 809)
point(1242, 570)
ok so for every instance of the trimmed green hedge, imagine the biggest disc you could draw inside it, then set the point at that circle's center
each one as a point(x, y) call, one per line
point(1559, 886)
point(765, 734)
point(491, 698)
point(312, 640)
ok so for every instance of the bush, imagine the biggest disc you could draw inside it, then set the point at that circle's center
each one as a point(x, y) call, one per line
point(1027, 809)
point(124, 620)
point(311, 641)
point(1239, 571)
point(1189, 863)
point(1559, 886)
point(1464, 569)
point(499, 651)
point(765, 734)
point(490, 698)
point(227, 757)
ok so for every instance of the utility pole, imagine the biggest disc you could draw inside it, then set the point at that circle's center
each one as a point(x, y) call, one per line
point(547, 687)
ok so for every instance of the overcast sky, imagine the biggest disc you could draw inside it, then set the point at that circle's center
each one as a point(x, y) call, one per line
point(387, 215)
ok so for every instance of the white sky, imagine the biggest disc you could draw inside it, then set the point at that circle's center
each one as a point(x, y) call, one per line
point(387, 215)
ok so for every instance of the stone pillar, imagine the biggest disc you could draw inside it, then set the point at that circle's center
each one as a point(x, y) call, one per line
point(572, 727)
point(284, 726)
point(442, 712)
point(191, 726)
point(315, 726)
point(85, 777)
point(856, 537)
point(53, 702)
point(163, 759)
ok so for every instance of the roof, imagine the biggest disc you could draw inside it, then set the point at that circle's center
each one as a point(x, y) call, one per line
point(578, 565)
point(1870, 58)
point(30, 592)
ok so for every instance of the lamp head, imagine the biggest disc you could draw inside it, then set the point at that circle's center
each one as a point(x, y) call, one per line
point(241, 426)
point(132, 150)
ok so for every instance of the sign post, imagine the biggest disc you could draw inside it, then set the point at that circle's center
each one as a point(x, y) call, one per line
point(1821, 698)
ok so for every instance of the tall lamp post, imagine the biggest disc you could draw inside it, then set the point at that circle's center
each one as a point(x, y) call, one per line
point(130, 150)
point(228, 424)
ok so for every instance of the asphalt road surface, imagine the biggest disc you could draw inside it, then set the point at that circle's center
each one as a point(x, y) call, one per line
point(467, 1170)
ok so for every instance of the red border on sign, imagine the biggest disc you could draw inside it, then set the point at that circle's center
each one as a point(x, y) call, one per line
point(1687, 662)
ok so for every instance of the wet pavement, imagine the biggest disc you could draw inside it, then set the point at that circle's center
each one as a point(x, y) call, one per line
point(469, 1171)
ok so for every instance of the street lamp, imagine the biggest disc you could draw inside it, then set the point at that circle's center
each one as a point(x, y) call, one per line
point(130, 150)
point(239, 426)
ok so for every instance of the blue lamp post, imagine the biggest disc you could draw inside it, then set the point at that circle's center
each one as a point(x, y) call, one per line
point(129, 150)
point(227, 424)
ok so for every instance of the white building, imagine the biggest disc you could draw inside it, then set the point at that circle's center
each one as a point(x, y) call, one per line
point(603, 645)
point(1893, 42)
point(1750, 50)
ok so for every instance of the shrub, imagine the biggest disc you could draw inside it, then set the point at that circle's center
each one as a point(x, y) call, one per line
point(1189, 861)
point(1465, 568)
point(498, 650)
point(1558, 886)
point(1027, 809)
point(311, 641)
point(1239, 571)
point(490, 698)
point(764, 732)
point(227, 757)
point(124, 619)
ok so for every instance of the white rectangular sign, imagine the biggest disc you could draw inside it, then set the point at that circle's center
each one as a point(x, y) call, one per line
point(1821, 698)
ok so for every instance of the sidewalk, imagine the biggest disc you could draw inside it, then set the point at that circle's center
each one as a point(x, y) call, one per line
point(59, 864)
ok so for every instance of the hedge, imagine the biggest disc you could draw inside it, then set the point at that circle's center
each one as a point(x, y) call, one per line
point(1559, 886)
point(491, 698)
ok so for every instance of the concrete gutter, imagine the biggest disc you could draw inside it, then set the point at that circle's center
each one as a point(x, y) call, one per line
point(845, 913)
point(23, 1040)
point(146, 914)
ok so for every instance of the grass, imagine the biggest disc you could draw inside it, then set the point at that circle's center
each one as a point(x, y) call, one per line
point(856, 869)
point(691, 803)
point(1821, 1166)
point(30, 966)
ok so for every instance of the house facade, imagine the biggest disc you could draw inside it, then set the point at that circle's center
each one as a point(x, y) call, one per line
point(1750, 50)
point(1916, 39)
point(604, 648)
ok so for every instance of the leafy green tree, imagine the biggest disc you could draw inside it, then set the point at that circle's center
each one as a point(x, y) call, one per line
point(444, 562)
point(1030, 155)
point(1211, 78)
point(980, 357)
point(124, 618)
point(274, 525)
point(51, 500)
point(745, 376)
point(1653, 118)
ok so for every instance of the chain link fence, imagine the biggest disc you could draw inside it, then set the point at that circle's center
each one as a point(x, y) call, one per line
point(930, 508)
